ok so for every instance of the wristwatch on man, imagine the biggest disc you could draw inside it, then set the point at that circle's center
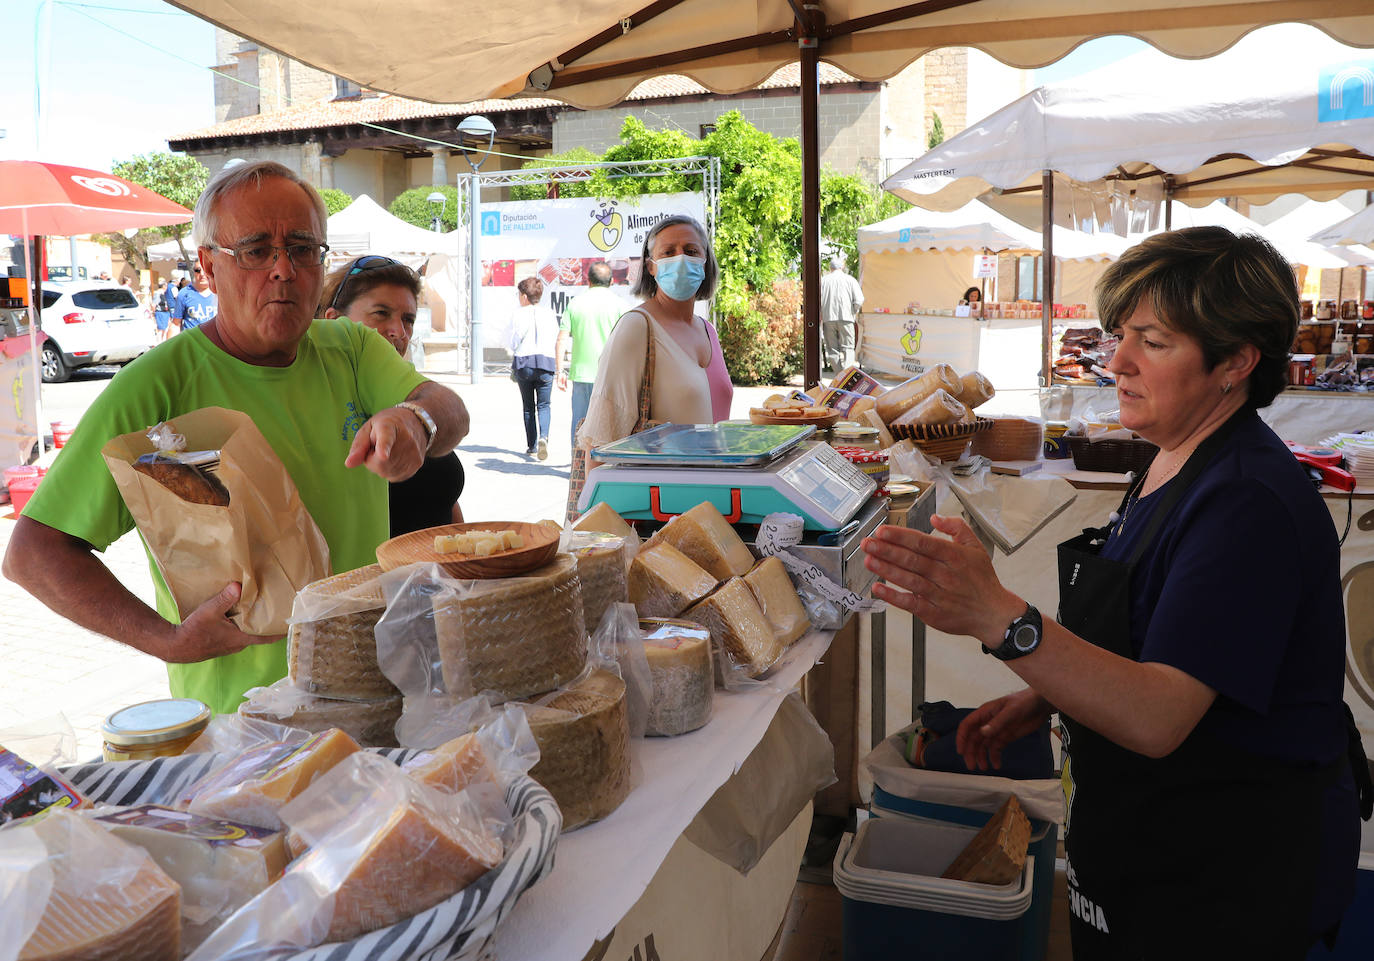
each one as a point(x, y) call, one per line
point(1022, 637)
point(426, 421)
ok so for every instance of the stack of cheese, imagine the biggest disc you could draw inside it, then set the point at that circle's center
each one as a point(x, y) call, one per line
point(332, 678)
point(603, 561)
point(697, 568)
point(679, 656)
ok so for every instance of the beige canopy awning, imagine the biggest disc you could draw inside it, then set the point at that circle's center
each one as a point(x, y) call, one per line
point(591, 53)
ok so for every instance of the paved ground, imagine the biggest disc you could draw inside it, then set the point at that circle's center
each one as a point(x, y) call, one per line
point(50, 665)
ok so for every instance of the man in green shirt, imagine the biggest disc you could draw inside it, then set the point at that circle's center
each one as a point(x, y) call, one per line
point(325, 394)
point(588, 321)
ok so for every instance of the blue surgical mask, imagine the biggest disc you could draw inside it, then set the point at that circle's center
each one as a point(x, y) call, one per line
point(680, 277)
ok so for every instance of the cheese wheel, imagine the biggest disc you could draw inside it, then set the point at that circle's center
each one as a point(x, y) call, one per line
point(516, 636)
point(583, 735)
point(602, 560)
point(704, 535)
point(939, 408)
point(370, 723)
point(602, 517)
point(331, 648)
point(778, 599)
point(679, 656)
point(741, 637)
point(664, 582)
point(909, 393)
point(108, 898)
point(253, 786)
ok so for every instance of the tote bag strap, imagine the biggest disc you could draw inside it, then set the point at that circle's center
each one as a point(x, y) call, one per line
point(646, 380)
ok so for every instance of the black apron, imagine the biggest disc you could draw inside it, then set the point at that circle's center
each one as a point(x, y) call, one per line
point(1210, 852)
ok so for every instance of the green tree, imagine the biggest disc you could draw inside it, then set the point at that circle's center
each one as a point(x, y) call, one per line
point(180, 179)
point(758, 238)
point(335, 200)
point(414, 207)
point(848, 203)
point(937, 132)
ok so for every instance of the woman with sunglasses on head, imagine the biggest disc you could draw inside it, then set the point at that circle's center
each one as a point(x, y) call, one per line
point(661, 352)
point(383, 294)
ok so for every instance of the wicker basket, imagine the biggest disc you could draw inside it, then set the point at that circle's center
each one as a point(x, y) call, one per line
point(941, 441)
point(1114, 456)
point(1011, 438)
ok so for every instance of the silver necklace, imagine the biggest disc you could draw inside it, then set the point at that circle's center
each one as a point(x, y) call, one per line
point(1134, 496)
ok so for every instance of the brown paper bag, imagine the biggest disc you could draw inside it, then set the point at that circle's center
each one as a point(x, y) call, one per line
point(265, 539)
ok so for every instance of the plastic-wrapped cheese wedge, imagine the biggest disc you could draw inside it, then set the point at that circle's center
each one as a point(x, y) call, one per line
point(514, 635)
point(679, 655)
point(778, 598)
point(331, 648)
point(452, 766)
point(664, 582)
point(602, 562)
point(704, 535)
point(219, 864)
point(744, 641)
point(371, 723)
point(583, 734)
point(93, 896)
point(906, 395)
point(602, 517)
point(253, 786)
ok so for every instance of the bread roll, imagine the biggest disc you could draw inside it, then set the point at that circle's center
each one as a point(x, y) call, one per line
point(938, 408)
point(974, 390)
point(189, 483)
point(908, 394)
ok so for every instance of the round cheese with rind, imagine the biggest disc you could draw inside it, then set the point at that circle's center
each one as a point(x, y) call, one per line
point(602, 562)
point(370, 723)
point(679, 656)
point(331, 647)
point(516, 636)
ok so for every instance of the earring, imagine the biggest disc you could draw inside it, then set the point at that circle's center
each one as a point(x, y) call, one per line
point(1226, 387)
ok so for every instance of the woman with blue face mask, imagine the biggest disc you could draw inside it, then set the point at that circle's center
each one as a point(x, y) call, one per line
point(665, 335)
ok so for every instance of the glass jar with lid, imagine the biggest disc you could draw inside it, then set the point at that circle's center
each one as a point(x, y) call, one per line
point(149, 729)
point(849, 434)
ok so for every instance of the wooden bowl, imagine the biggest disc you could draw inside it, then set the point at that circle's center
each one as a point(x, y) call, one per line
point(762, 415)
point(541, 544)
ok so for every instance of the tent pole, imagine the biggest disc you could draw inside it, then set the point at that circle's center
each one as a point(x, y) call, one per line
point(1047, 274)
point(811, 202)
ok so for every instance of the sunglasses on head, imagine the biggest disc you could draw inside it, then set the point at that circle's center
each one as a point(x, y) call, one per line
point(370, 262)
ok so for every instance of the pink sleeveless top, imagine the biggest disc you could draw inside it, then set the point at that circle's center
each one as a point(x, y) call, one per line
point(722, 390)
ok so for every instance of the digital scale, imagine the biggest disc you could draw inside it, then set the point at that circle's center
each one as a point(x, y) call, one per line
point(746, 470)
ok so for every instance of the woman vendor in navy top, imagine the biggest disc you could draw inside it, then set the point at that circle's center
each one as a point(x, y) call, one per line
point(1197, 660)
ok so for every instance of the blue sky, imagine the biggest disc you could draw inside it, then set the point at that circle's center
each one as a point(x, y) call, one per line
point(115, 78)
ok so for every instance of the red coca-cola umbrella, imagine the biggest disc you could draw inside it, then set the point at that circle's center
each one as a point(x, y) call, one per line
point(53, 199)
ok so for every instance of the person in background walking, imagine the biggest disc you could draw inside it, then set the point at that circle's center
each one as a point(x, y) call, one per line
point(533, 338)
point(841, 299)
point(587, 321)
point(196, 304)
point(163, 299)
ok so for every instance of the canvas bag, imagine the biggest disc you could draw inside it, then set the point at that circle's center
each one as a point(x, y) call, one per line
point(582, 462)
point(265, 539)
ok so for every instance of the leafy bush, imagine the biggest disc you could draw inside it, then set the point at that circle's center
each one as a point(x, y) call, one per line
point(335, 200)
point(413, 207)
point(765, 346)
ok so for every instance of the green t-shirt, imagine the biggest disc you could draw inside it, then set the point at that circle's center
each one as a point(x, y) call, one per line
point(309, 413)
point(589, 318)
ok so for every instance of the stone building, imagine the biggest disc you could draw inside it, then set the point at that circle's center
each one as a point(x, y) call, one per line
point(338, 135)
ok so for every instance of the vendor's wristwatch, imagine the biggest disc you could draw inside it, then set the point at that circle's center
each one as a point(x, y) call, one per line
point(1022, 637)
point(426, 421)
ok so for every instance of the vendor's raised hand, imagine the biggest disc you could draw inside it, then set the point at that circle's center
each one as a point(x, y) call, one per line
point(984, 733)
point(391, 444)
point(946, 581)
point(207, 631)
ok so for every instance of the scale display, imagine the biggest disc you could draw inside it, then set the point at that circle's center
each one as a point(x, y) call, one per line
point(813, 481)
point(727, 444)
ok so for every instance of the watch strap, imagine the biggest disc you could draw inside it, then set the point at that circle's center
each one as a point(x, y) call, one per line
point(1029, 624)
point(426, 421)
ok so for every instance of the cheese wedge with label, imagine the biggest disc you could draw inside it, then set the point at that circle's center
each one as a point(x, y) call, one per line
point(664, 582)
point(742, 639)
point(704, 535)
point(219, 864)
point(108, 901)
point(679, 656)
point(778, 599)
point(253, 786)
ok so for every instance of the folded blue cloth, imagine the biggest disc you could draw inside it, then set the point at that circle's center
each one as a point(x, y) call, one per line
point(933, 746)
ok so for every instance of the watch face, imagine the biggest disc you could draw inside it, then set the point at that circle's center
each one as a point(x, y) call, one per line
point(1025, 637)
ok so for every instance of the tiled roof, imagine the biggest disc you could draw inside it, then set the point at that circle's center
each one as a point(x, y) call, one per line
point(387, 108)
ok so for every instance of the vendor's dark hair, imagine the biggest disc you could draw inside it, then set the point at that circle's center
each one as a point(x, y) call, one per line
point(361, 281)
point(646, 286)
point(532, 288)
point(1220, 289)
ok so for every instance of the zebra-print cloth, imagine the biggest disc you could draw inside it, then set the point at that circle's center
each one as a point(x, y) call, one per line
point(460, 928)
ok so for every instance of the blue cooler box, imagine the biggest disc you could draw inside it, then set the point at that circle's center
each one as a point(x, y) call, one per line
point(1044, 844)
point(896, 905)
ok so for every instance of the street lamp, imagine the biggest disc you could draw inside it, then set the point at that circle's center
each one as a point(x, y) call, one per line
point(437, 198)
point(478, 128)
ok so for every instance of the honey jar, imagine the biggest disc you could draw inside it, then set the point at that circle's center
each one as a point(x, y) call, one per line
point(150, 729)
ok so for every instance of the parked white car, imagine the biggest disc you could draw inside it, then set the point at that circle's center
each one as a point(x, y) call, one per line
point(91, 322)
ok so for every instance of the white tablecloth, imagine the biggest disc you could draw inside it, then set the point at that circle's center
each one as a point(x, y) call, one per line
point(601, 870)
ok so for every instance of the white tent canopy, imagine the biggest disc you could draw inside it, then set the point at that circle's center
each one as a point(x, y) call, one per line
point(1356, 229)
point(364, 227)
point(1294, 248)
point(1315, 215)
point(975, 226)
point(1216, 128)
